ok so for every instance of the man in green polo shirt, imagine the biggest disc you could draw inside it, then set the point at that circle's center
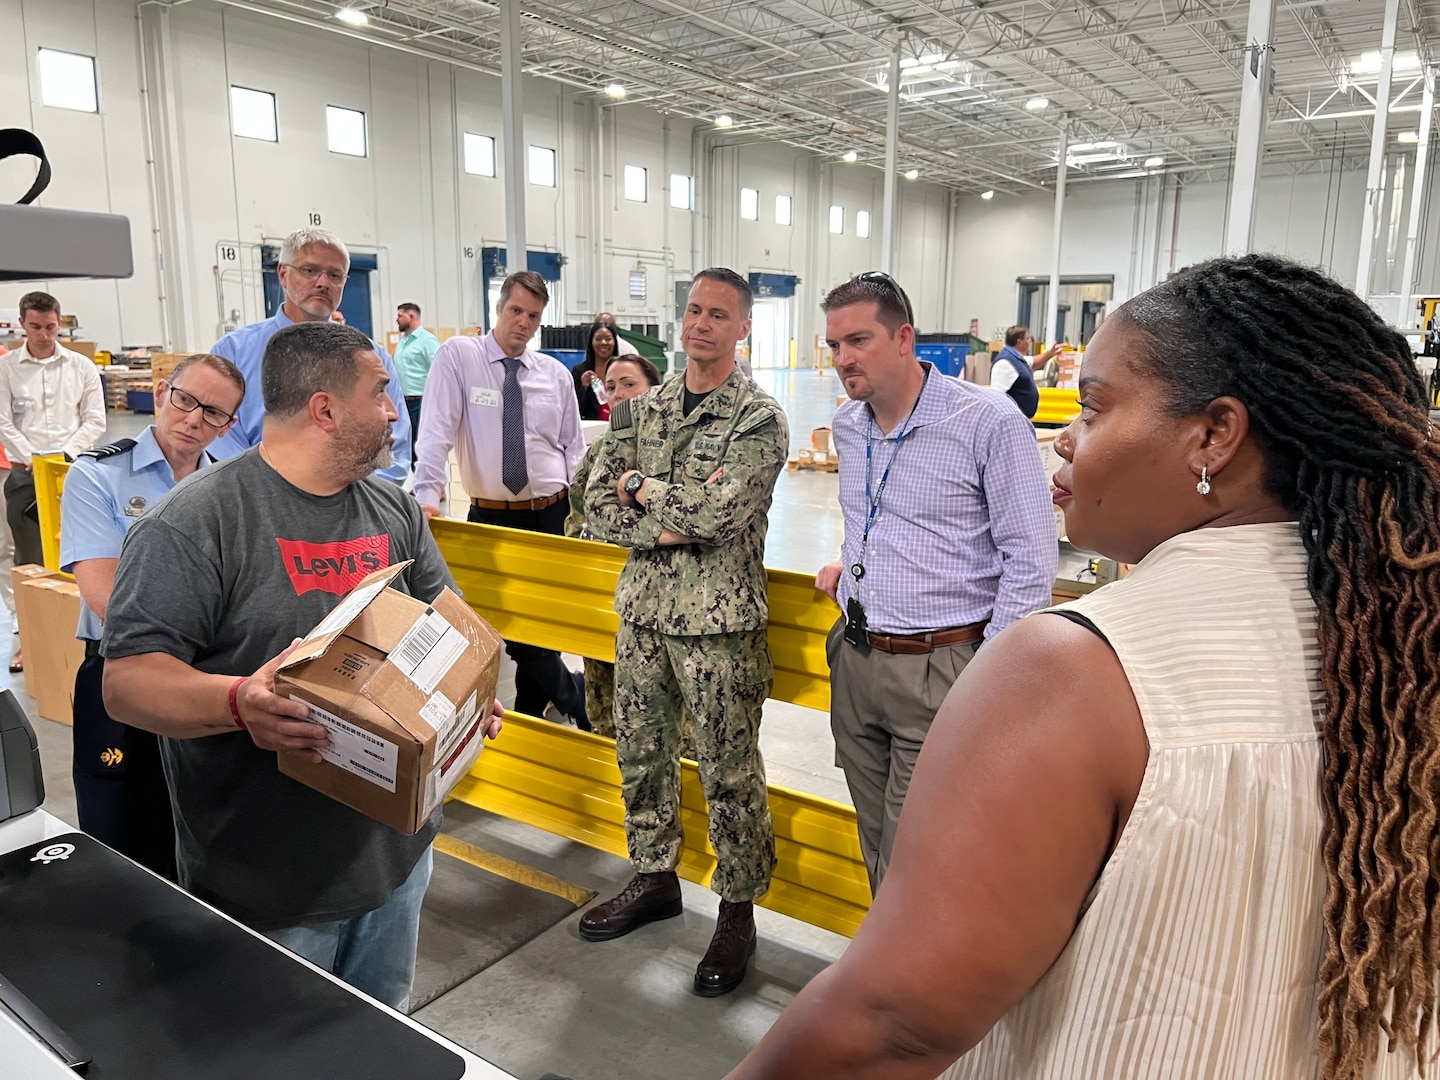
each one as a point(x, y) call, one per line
point(412, 358)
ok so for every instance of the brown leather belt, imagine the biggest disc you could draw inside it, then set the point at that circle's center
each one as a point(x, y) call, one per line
point(523, 504)
point(924, 643)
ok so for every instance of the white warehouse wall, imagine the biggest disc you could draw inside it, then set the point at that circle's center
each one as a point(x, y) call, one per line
point(411, 203)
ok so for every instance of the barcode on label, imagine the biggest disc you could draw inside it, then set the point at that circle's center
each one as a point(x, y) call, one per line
point(423, 637)
point(428, 650)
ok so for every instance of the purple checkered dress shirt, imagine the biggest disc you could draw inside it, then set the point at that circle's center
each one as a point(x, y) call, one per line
point(965, 529)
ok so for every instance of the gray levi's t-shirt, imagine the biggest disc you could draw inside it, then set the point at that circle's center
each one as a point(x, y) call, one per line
point(223, 574)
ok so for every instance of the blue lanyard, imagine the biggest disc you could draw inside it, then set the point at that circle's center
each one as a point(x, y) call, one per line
point(858, 570)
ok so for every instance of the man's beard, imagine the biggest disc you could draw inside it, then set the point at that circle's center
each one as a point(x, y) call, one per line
point(358, 453)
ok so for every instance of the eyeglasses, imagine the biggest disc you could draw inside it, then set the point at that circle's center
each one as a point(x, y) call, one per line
point(188, 403)
point(884, 280)
point(312, 273)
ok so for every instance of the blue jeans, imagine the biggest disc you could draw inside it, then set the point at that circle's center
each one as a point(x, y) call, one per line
point(374, 952)
point(412, 406)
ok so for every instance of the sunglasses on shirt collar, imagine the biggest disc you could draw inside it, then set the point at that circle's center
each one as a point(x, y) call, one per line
point(885, 281)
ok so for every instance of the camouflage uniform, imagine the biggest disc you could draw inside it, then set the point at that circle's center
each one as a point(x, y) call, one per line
point(599, 674)
point(693, 617)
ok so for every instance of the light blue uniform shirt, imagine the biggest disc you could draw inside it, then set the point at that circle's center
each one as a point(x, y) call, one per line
point(413, 357)
point(245, 348)
point(103, 497)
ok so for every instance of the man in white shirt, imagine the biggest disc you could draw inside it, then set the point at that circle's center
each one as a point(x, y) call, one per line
point(51, 401)
point(510, 414)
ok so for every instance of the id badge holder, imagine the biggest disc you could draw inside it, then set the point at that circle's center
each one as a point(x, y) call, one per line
point(857, 632)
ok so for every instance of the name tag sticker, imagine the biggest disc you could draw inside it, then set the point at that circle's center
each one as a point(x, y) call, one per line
point(483, 395)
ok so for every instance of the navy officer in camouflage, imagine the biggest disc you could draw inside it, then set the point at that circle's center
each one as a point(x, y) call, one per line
point(684, 479)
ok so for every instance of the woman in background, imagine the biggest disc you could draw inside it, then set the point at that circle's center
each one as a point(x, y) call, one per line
point(1198, 840)
point(590, 373)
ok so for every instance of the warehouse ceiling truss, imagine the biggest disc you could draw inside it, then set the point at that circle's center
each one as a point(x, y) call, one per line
point(986, 86)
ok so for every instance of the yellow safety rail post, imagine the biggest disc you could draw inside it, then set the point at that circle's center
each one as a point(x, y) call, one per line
point(1057, 406)
point(50, 470)
point(559, 593)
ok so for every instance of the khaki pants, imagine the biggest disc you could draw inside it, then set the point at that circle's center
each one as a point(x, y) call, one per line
point(881, 706)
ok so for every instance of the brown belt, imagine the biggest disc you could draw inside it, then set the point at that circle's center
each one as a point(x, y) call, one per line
point(523, 504)
point(925, 643)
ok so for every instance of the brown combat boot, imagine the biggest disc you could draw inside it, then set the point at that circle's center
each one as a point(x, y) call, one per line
point(648, 898)
point(728, 958)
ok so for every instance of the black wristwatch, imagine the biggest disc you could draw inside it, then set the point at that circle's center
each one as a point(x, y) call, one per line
point(633, 484)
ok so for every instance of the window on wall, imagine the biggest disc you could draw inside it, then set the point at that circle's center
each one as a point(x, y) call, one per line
point(682, 192)
point(837, 219)
point(67, 81)
point(345, 130)
point(542, 166)
point(862, 224)
point(637, 183)
point(479, 154)
point(749, 204)
point(252, 114)
point(783, 207)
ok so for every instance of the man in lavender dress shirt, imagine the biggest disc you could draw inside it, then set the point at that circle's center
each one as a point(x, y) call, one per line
point(949, 538)
point(510, 415)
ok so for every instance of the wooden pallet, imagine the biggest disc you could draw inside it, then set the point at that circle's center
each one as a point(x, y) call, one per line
point(813, 461)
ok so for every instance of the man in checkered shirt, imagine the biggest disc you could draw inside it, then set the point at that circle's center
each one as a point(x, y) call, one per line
point(949, 538)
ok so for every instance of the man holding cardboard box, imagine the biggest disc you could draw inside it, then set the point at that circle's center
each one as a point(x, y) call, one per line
point(120, 791)
point(214, 586)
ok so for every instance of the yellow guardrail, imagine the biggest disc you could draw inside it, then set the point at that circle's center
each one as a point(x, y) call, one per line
point(1057, 406)
point(559, 593)
point(50, 473)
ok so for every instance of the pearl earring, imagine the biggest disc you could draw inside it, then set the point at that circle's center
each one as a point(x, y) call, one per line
point(1203, 487)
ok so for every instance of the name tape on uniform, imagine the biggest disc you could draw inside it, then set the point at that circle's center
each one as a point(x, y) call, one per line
point(354, 749)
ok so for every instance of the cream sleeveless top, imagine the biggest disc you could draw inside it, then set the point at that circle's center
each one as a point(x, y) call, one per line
point(1198, 950)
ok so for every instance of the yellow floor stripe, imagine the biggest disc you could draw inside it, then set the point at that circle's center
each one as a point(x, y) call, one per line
point(513, 871)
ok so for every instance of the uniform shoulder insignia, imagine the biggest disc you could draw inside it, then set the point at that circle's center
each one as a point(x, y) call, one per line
point(621, 418)
point(117, 447)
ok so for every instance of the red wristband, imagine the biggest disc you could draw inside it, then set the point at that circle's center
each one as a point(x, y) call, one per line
point(235, 705)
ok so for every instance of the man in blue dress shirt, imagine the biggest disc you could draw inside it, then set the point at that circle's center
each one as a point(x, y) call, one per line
point(314, 264)
point(120, 788)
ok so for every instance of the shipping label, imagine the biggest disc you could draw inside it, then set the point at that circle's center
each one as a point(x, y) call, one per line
point(428, 650)
point(354, 749)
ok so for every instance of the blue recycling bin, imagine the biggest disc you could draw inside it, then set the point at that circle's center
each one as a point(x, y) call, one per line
point(948, 358)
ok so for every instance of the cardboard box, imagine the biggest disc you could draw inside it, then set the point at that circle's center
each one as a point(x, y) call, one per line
point(977, 368)
point(84, 348)
point(405, 689)
point(162, 364)
point(18, 576)
point(52, 653)
point(820, 439)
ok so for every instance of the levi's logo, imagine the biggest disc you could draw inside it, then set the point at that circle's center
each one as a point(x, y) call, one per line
point(334, 568)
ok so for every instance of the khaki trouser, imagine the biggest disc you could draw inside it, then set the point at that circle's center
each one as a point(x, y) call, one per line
point(881, 706)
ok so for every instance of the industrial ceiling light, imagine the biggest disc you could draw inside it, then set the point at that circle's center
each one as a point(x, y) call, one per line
point(1037, 104)
point(987, 195)
point(352, 16)
point(1369, 63)
point(912, 174)
point(850, 157)
point(724, 120)
point(1409, 136)
point(615, 90)
point(1154, 162)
